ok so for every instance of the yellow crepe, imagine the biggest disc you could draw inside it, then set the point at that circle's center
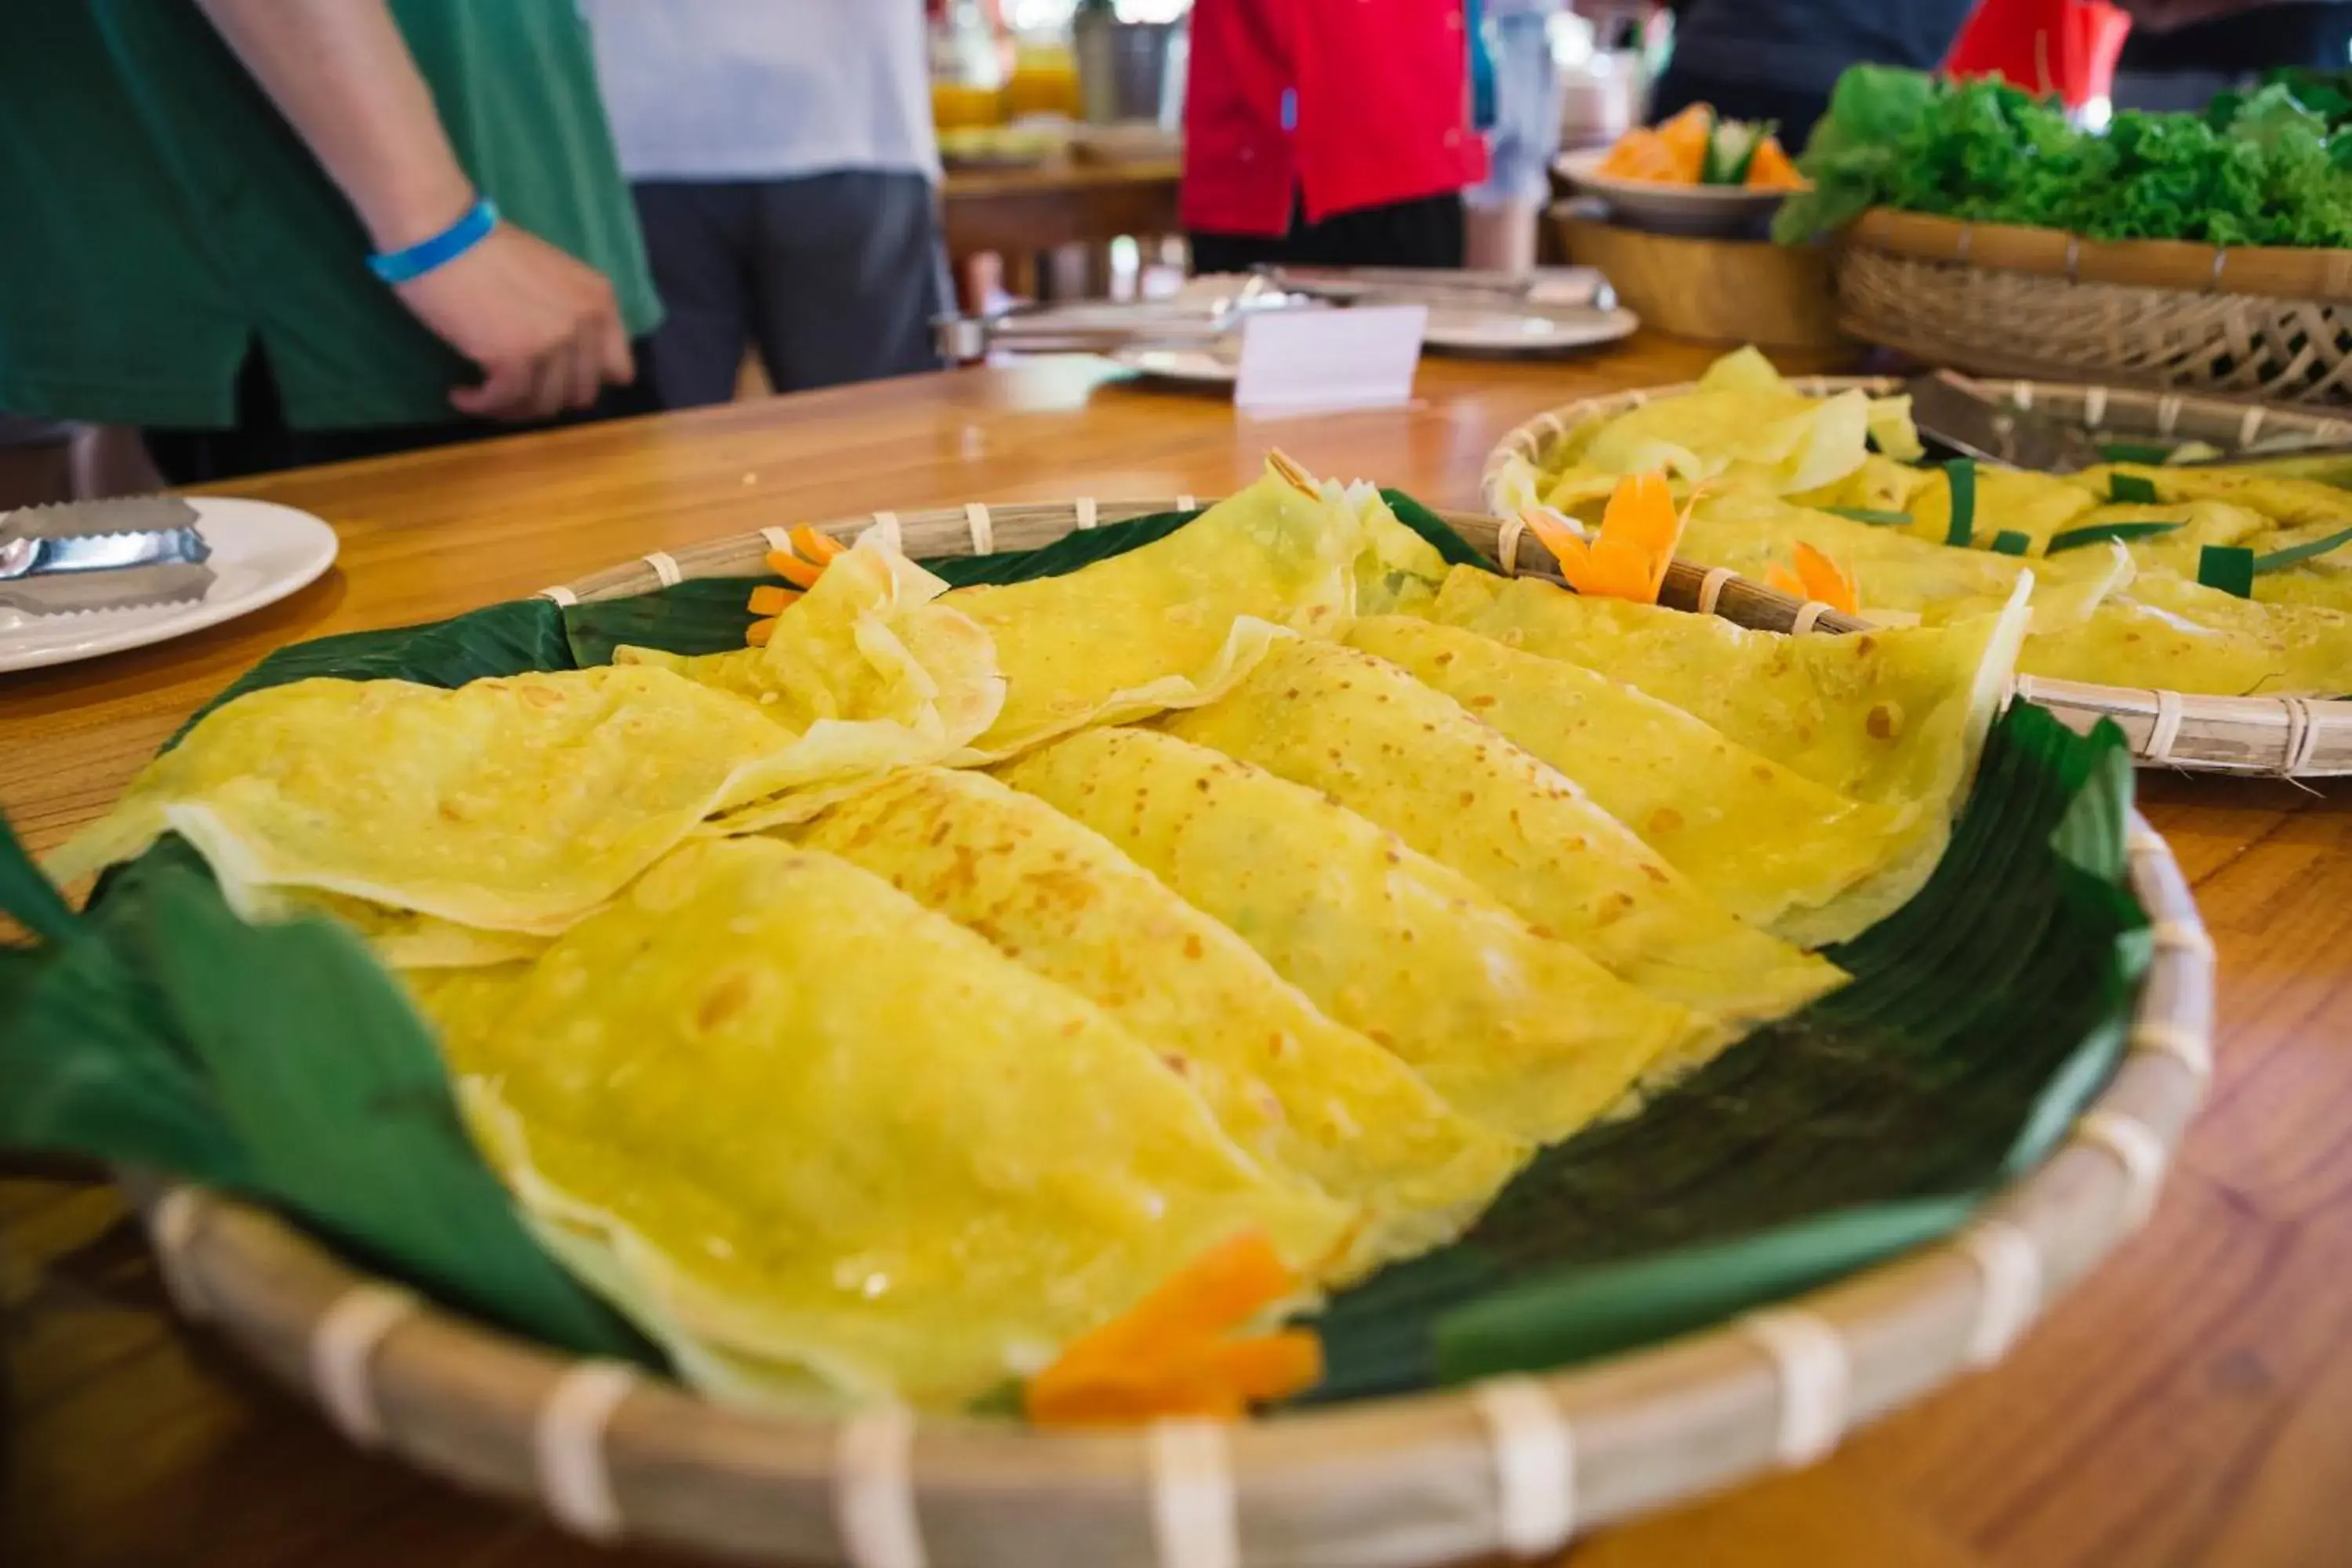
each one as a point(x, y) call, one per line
point(2170, 633)
point(1289, 1085)
point(1383, 744)
point(1398, 571)
point(1770, 846)
point(400, 939)
point(1901, 579)
point(2289, 502)
point(871, 669)
point(1896, 716)
point(1171, 624)
point(2007, 500)
point(1520, 1030)
point(1745, 428)
point(516, 804)
point(821, 1126)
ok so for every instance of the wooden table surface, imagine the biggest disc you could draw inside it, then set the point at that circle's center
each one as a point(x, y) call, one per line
point(1063, 202)
point(2192, 1404)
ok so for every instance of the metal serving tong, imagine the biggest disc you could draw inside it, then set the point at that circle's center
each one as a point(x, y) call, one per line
point(1947, 410)
point(1199, 318)
point(1547, 290)
point(102, 555)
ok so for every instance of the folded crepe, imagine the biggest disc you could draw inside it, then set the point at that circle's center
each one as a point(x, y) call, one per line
point(1775, 849)
point(1896, 716)
point(1172, 623)
point(1294, 1088)
point(1338, 719)
point(793, 1120)
point(521, 803)
point(1517, 1029)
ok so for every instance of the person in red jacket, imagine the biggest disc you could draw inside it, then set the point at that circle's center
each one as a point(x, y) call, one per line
point(1328, 133)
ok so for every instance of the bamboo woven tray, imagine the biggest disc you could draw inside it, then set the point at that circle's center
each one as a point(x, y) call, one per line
point(2291, 737)
point(2004, 300)
point(1518, 1464)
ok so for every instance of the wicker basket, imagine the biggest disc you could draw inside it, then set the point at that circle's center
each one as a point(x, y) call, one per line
point(2005, 300)
point(2293, 737)
point(1518, 1464)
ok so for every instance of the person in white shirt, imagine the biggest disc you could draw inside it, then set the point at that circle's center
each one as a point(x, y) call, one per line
point(785, 172)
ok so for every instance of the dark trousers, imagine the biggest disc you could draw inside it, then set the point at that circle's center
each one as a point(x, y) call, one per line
point(834, 277)
point(261, 442)
point(1425, 232)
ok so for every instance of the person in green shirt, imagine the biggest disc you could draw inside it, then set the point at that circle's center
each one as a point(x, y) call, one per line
point(199, 199)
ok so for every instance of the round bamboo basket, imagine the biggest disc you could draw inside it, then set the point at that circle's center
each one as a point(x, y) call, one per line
point(1515, 1465)
point(2289, 737)
point(2007, 300)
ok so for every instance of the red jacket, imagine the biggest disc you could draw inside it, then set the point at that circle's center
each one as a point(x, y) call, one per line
point(1379, 91)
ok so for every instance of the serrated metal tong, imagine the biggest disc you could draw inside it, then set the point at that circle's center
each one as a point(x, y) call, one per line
point(102, 555)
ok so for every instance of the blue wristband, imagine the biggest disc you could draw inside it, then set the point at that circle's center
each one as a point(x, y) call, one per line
point(404, 266)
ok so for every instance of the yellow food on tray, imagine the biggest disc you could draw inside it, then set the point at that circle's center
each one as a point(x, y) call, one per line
point(1297, 1091)
point(1768, 845)
point(1053, 984)
point(1408, 757)
point(1518, 1029)
point(825, 1128)
point(2234, 580)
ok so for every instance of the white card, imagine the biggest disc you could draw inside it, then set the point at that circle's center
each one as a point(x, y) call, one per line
point(1297, 360)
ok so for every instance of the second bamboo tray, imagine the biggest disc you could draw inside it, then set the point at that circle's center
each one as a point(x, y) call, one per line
point(2291, 737)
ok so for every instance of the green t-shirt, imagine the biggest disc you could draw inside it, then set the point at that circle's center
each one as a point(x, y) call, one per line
point(159, 217)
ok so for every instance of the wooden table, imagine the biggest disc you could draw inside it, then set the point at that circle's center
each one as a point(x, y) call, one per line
point(2190, 1405)
point(1061, 203)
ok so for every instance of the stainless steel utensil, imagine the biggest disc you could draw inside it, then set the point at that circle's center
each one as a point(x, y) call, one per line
point(1946, 409)
point(1546, 290)
point(93, 555)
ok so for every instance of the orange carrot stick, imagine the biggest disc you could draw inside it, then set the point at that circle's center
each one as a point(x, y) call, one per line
point(1221, 1379)
point(820, 548)
point(1219, 1290)
point(767, 599)
point(793, 568)
point(758, 632)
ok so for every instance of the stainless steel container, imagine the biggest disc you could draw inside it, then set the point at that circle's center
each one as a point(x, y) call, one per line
point(1130, 70)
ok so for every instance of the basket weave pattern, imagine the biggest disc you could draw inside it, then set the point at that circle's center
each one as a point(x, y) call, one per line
point(1518, 1464)
point(2017, 323)
point(2289, 737)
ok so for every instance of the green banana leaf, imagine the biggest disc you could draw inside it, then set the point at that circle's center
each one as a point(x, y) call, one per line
point(157, 1028)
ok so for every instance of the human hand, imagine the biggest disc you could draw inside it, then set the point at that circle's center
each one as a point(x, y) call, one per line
point(545, 329)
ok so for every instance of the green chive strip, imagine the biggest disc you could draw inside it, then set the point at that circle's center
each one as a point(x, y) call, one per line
point(2100, 532)
point(2229, 567)
point(1961, 475)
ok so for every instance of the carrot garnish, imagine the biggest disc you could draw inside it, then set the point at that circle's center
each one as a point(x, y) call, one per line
point(759, 631)
point(820, 548)
point(793, 568)
point(1638, 534)
point(1817, 577)
point(1175, 1353)
point(767, 599)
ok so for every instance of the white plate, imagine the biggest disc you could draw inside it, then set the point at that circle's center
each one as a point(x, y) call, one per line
point(1197, 366)
point(1667, 209)
point(1508, 332)
point(261, 552)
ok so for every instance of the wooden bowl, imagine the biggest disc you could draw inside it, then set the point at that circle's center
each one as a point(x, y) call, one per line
point(1728, 291)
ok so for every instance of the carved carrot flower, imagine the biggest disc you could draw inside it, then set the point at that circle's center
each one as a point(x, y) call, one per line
point(1628, 560)
point(1175, 1353)
point(1817, 577)
point(802, 566)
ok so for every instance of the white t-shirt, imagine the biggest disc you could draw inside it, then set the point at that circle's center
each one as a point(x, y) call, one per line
point(762, 89)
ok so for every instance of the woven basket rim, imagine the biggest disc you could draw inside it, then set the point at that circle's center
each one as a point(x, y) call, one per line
point(2279, 737)
point(2184, 266)
point(1436, 1476)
